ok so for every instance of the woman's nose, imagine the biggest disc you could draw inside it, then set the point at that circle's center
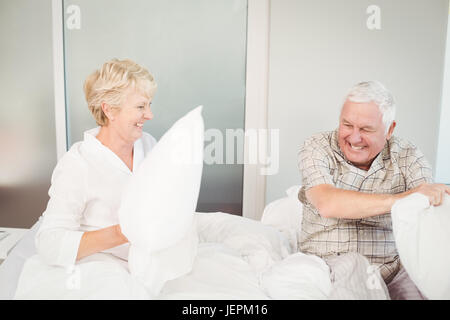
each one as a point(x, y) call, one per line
point(148, 114)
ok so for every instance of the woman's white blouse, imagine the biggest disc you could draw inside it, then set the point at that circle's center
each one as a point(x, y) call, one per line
point(85, 194)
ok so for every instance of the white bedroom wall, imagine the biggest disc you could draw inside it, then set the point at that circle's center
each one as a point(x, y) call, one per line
point(443, 153)
point(319, 49)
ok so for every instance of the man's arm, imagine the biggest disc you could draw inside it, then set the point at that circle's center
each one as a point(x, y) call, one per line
point(332, 202)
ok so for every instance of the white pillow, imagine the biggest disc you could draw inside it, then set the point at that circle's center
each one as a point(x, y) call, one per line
point(422, 237)
point(158, 205)
point(286, 214)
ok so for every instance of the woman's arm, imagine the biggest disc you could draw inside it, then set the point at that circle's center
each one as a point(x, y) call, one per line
point(59, 235)
point(100, 240)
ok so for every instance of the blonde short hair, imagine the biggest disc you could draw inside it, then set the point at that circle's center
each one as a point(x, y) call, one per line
point(109, 83)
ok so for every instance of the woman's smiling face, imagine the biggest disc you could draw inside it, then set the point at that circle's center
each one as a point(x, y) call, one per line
point(130, 116)
point(362, 135)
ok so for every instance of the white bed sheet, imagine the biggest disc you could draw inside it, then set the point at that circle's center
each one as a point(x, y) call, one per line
point(232, 258)
point(282, 216)
point(238, 258)
point(233, 253)
point(11, 268)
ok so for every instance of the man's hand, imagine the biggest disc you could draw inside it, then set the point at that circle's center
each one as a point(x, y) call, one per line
point(434, 191)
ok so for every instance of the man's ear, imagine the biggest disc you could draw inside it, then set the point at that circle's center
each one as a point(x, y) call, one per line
point(107, 110)
point(391, 130)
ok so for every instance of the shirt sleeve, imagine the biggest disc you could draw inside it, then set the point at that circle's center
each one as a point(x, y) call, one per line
point(58, 237)
point(418, 169)
point(313, 163)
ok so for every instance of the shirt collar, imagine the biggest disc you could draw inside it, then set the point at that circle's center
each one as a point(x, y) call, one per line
point(93, 144)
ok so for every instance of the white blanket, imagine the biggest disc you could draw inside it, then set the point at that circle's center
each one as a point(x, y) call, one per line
point(298, 277)
point(237, 258)
point(100, 276)
point(232, 257)
point(218, 273)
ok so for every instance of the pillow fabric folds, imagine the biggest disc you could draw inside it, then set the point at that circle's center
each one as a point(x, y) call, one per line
point(422, 236)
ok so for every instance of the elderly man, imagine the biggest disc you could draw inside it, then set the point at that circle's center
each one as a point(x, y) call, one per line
point(352, 176)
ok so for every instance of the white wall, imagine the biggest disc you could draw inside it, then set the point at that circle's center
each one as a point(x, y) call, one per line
point(319, 49)
point(443, 154)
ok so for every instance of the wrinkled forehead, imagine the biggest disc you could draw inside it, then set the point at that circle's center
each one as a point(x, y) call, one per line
point(361, 114)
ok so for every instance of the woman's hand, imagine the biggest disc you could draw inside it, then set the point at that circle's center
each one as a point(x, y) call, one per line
point(100, 240)
point(119, 233)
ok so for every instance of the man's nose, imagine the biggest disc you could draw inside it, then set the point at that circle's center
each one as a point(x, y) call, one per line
point(355, 136)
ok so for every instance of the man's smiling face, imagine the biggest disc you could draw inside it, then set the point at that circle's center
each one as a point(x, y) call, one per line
point(361, 133)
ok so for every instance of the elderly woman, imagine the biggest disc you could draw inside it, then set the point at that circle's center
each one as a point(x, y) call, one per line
point(82, 214)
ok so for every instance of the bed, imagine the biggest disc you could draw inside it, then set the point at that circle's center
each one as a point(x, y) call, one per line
point(237, 258)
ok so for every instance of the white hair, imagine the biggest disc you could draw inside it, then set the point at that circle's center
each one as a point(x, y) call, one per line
point(374, 91)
